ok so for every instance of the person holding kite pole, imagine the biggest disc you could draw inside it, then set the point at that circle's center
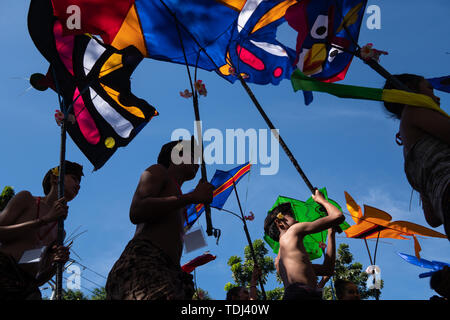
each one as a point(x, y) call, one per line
point(299, 275)
point(425, 137)
point(28, 232)
point(149, 267)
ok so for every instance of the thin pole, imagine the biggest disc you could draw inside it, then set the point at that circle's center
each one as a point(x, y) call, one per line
point(368, 251)
point(209, 227)
point(374, 64)
point(277, 135)
point(61, 175)
point(281, 141)
point(377, 292)
point(252, 251)
point(60, 232)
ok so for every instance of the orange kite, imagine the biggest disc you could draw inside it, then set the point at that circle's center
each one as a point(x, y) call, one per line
point(376, 223)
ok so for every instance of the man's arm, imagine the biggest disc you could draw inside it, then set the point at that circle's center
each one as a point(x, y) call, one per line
point(14, 210)
point(327, 268)
point(254, 281)
point(148, 206)
point(11, 233)
point(47, 267)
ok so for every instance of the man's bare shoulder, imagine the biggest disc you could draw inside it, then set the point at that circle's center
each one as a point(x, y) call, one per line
point(19, 204)
point(155, 173)
point(152, 180)
point(294, 231)
point(156, 169)
point(22, 198)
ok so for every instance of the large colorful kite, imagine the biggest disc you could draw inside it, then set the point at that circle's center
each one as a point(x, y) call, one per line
point(93, 80)
point(375, 223)
point(223, 182)
point(307, 211)
point(228, 36)
point(328, 31)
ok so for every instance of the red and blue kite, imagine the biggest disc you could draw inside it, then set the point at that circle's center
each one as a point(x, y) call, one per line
point(328, 32)
point(223, 182)
point(227, 36)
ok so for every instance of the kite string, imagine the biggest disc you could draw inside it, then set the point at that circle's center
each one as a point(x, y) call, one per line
point(376, 247)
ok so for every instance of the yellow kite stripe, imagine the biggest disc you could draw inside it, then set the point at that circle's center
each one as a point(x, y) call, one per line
point(412, 99)
point(115, 96)
point(273, 14)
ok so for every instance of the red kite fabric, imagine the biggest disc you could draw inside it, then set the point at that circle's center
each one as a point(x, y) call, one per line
point(93, 80)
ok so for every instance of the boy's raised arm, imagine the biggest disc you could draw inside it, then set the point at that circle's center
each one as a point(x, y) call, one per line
point(327, 268)
point(334, 218)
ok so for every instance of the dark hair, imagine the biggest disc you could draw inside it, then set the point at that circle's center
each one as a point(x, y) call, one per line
point(270, 228)
point(437, 280)
point(339, 286)
point(412, 81)
point(165, 155)
point(70, 168)
point(233, 292)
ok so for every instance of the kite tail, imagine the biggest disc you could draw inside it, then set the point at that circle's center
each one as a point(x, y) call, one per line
point(417, 247)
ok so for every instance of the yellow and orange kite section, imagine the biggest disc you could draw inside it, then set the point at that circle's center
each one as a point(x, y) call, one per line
point(375, 223)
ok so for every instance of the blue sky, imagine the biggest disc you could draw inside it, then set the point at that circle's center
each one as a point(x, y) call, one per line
point(345, 145)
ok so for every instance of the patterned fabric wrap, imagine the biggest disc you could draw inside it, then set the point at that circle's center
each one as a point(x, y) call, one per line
point(299, 291)
point(16, 284)
point(427, 167)
point(145, 272)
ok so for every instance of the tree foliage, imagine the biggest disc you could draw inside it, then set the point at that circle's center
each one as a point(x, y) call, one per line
point(346, 269)
point(201, 294)
point(242, 269)
point(99, 294)
point(74, 295)
point(6, 195)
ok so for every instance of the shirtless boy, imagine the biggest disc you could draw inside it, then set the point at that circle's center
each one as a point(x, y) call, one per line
point(299, 275)
point(149, 267)
point(29, 222)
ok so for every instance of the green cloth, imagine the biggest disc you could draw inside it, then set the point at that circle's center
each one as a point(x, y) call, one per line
point(302, 82)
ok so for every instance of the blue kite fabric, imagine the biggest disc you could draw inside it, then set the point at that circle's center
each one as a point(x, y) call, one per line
point(328, 32)
point(230, 37)
point(223, 182)
point(441, 83)
point(433, 265)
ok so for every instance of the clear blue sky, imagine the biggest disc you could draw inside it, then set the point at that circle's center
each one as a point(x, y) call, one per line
point(345, 145)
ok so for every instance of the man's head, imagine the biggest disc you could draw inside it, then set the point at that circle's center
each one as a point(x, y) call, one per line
point(72, 179)
point(279, 219)
point(180, 154)
point(238, 293)
point(346, 290)
point(416, 84)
